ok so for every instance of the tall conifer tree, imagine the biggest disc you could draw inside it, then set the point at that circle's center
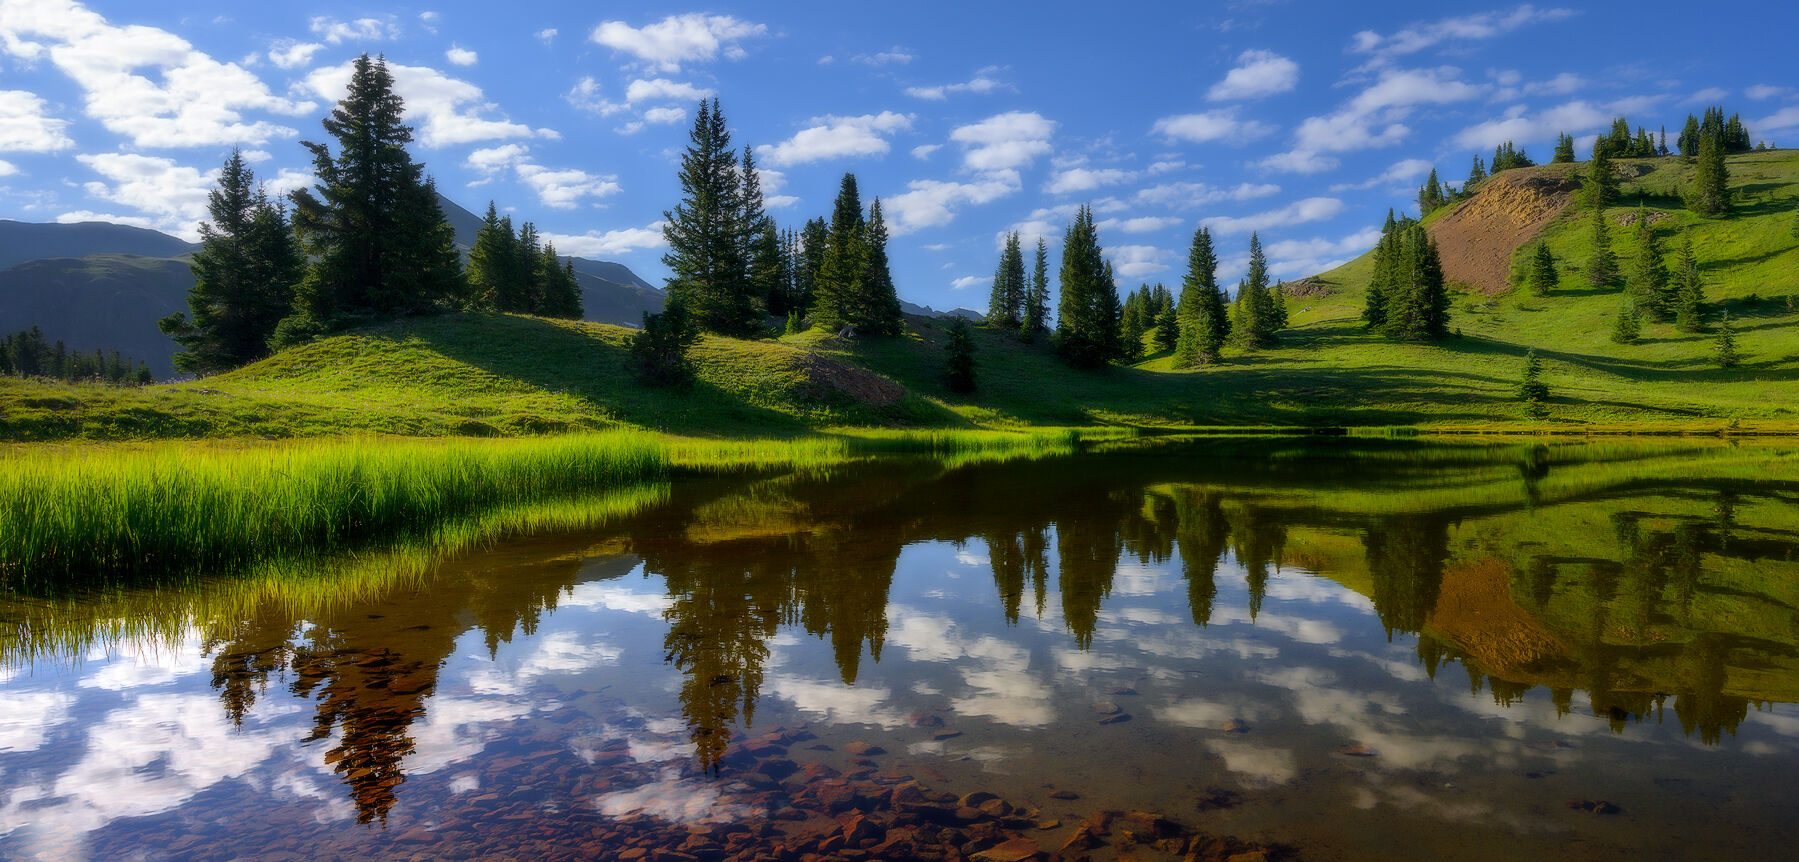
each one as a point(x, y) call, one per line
point(1601, 187)
point(1005, 305)
point(706, 233)
point(1088, 309)
point(1649, 283)
point(837, 286)
point(1036, 301)
point(1203, 323)
point(879, 302)
point(1602, 266)
point(1543, 275)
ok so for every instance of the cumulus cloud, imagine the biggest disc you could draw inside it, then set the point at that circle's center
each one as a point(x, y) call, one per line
point(932, 203)
point(1137, 261)
point(1782, 120)
point(172, 196)
point(558, 188)
point(658, 89)
point(461, 56)
point(25, 127)
point(1257, 74)
point(1290, 258)
point(1075, 180)
point(981, 84)
point(447, 111)
point(147, 84)
point(1518, 125)
point(1190, 195)
point(1372, 119)
point(1485, 25)
point(1004, 142)
point(612, 243)
point(7, 168)
point(1759, 92)
point(547, 35)
point(895, 56)
point(1220, 125)
point(292, 54)
point(1707, 96)
point(1140, 224)
point(924, 151)
point(1400, 173)
point(678, 39)
point(968, 281)
point(839, 137)
point(664, 116)
point(360, 30)
point(1299, 212)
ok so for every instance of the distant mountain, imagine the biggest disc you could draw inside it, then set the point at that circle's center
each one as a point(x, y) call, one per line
point(100, 301)
point(927, 311)
point(610, 292)
point(23, 241)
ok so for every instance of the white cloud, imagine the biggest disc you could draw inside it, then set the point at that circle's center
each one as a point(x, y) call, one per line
point(981, 84)
point(561, 189)
point(461, 56)
point(1257, 74)
point(1137, 261)
point(679, 39)
point(1418, 37)
point(292, 54)
point(1759, 92)
point(25, 127)
point(610, 243)
point(547, 35)
point(656, 89)
point(447, 111)
point(932, 203)
point(1189, 195)
point(1707, 96)
point(839, 137)
point(147, 84)
point(664, 116)
point(1299, 212)
point(1400, 173)
point(1004, 142)
point(968, 281)
point(1298, 162)
point(1371, 120)
point(586, 96)
point(1302, 257)
point(1076, 180)
point(360, 30)
point(7, 168)
point(924, 151)
point(173, 196)
point(1165, 166)
point(429, 20)
point(1785, 118)
point(1141, 224)
point(1209, 126)
point(1519, 126)
point(895, 56)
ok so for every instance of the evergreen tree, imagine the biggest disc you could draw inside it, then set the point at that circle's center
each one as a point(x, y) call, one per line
point(1036, 301)
point(879, 303)
point(1383, 282)
point(1601, 188)
point(1506, 157)
point(1277, 305)
point(377, 239)
point(1724, 349)
point(1602, 267)
point(1531, 388)
point(1168, 327)
point(837, 286)
point(1417, 299)
point(1618, 143)
point(1688, 142)
point(958, 357)
point(1203, 323)
point(1087, 310)
point(706, 233)
point(1543, 275)
point(1431, 195)
point(1247, 317)
point(1262, 306)
point(1564, 149)
point(1661, 146)
point(771, 269)
point(524, 295)
point(244, 277)
point(815, 238)
point(659, 350)
point(763, 255)
point(561, 294)
point(490, 260)
point(1133, 324)
point(1709, 192)
point(1736, 137)
point(1627, 326)
point(1005, 306)
point(1477, 174)
point(1649, 283)
point(1689, 309)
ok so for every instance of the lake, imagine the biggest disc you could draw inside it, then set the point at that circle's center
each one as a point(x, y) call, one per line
point(1206, 648)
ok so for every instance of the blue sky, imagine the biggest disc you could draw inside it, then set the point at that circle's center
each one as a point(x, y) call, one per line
point(1303, 121)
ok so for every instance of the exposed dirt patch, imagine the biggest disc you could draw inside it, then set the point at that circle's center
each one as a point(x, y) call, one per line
point(1308, 287)
point(1655, 217)
point(1475, 611)
point(1477, 238)
point(829, 380)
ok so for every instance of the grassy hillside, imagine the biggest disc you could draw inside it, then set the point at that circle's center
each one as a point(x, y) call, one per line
point(492, 374)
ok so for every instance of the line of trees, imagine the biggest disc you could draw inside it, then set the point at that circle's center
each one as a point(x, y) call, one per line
point(1406, 296)
point(27, 353)
point(368, 243)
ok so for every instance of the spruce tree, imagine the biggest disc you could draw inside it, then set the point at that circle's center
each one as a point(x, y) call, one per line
point(1418, 300)
point(706, 233)
point(1602, 267)
point(879, 302)
point(1627, 326)
point(815, 238)
point(1277, 306)
point(1649, 282)
point(1247, 317)
point(1261, 304)
point(1005, 305)
point(1036, 300)
point(244, 277)
point(525, 294)
point(659, 349)
point(1688, 142)
point(1543, 275)
point(958, 357)
point(1531, 388)
point(1430, 195)
point(490, 260)
point(1087, 310)
point(1689, 307)
point(1383, 282)
point(375, 235)
point(1708, 193)
point(561, 295)
point(837, 285)
point(1168, 327)
point(1564, 149)
point(1724, 349)
point(763, 256)
point(1203, 323)
point(1132, 325)
point(1477, 174)
point(1601, 187)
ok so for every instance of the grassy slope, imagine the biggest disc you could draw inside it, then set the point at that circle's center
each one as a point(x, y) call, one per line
point(499, 374)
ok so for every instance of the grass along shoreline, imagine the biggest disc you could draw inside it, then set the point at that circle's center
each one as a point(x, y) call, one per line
point(75, 516)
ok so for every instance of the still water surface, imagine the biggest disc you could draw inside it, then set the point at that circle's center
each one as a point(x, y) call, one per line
point(1336, 650)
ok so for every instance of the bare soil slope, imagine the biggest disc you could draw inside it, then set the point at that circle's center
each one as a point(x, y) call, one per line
point(1476, 238)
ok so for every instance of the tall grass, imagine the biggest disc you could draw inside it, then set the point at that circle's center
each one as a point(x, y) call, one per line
point(70, 516)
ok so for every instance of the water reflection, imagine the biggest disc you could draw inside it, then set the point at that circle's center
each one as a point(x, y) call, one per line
point(1650, 581)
